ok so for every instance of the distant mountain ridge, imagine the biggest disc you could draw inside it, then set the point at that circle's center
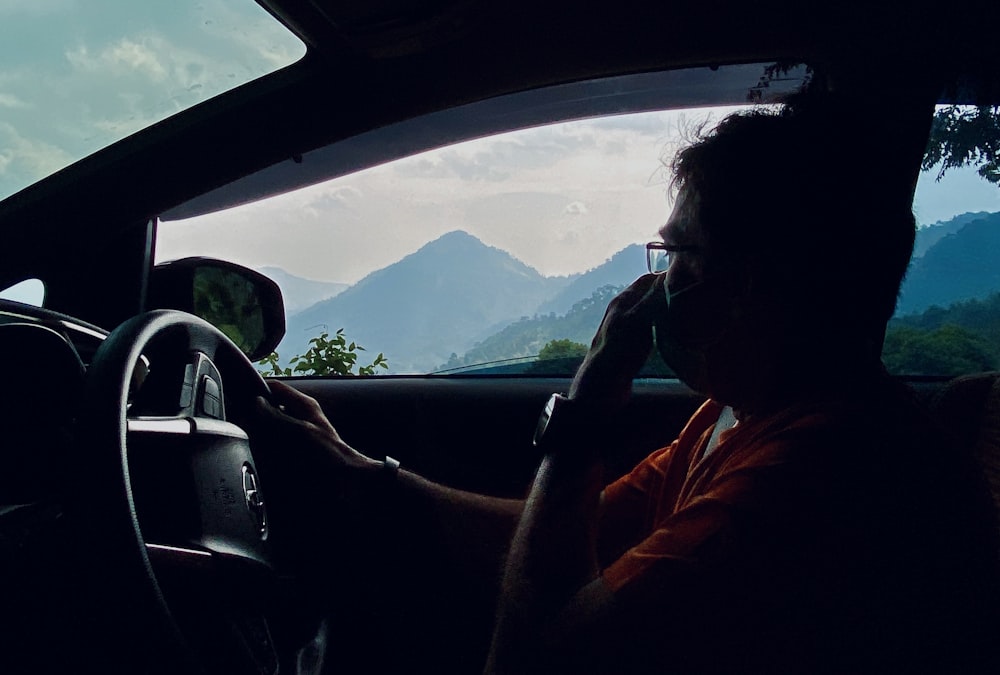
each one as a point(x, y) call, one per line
point(961, 265)
point(437, 301)
point(526, 337)
point(932, 234)
point(299, 292)
point(621, 269)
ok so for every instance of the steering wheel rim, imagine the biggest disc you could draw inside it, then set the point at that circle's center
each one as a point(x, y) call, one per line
point(144, 452)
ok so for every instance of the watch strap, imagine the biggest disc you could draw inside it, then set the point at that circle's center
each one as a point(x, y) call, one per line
point(565, 421)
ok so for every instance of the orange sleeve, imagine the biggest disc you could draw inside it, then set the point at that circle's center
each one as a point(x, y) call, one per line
point(676, 541)
point(631, 503)
point(752, 477)
point(626, 505)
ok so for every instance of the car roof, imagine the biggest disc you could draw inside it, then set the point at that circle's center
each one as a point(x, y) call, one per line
point(369, 65)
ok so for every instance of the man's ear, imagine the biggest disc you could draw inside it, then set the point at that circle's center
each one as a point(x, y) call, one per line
point(760, 294)
point(746, 286)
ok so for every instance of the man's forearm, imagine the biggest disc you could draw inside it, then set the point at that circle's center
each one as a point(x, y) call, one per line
point(419, 533)
point(473, 531)
point(552, 557)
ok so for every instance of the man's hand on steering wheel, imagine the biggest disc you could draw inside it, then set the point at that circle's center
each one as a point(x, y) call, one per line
point(313, 475)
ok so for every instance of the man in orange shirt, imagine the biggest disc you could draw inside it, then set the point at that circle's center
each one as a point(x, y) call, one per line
point(808, 518)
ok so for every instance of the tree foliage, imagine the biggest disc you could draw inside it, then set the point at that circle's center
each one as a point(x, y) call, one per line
point(560, 349)
point(528, 336)
point(961, 338)
point(948, 350)
point(963, 135)
point(558, 357)
point(326, 356)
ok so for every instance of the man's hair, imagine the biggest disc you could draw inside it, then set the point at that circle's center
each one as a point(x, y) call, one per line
point(798, 196)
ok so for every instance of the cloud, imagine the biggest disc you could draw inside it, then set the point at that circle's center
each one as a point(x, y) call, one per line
point(140, 58)
point(332, 200)
point(22, 157)
point(149, 58)
point(255, 34)
point(423, 166)
point(498, 158)
point(11, 101)
point(578, 155)
point(35, 7)
point(90, 73)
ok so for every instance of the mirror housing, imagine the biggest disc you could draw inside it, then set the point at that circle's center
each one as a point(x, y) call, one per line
point(242, 303)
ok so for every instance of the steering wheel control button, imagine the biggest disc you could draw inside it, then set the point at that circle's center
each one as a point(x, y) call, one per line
point(211, 398)
point(201, 392)
point(187, 388)
point(254, 499)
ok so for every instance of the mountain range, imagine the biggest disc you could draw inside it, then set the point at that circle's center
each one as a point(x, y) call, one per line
point(621, 269)
point(457, 301)
point(932, 234)
point(435, 302)
point(960, 265)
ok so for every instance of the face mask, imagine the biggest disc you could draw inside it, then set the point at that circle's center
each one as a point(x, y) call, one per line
point(696, 320)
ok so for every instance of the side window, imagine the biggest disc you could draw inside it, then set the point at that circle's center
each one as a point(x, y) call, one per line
point(493, 256)
point(948, 316)
point(29, 291)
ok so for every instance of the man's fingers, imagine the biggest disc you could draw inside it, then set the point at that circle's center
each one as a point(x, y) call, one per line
point(632, 311)
point(272, 420)
point(643, 290)
point(296, 404)
point(636, 298)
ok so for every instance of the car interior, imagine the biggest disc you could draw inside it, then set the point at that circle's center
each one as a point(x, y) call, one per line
point(133, 367)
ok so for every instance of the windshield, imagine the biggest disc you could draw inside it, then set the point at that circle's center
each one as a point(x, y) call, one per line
point(78, 76)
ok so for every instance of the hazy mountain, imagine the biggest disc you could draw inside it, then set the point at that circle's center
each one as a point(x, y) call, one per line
point(527, 336)
point(960, 266)
point(932, 234)
point(435, 302)
point(621, 269)
point(298, 292)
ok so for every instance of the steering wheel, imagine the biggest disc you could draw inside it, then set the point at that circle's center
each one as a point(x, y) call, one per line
point(172, 499)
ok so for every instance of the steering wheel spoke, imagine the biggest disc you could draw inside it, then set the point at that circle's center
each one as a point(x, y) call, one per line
point(195, 482)
point(218, 599)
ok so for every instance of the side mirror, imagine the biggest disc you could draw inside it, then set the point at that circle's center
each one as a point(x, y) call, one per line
point(242, 303)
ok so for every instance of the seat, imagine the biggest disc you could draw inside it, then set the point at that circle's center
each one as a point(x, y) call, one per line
point(968, 409)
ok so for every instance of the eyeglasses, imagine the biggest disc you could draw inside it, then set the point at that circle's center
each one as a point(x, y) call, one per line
point(659, 255)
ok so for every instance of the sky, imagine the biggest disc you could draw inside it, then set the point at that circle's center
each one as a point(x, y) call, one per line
point(77, 75)
point(958, 192)
point(561, 198)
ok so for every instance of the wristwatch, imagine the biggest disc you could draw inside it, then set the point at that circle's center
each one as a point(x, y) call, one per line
point(565, 421)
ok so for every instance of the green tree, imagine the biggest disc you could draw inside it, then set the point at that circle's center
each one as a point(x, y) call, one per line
point(325, 356)
point(561, 349)
point(963, 135)
point(558, 357)
point(948, 350)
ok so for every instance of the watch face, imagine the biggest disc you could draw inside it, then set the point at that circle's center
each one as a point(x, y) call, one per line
point(543, 419)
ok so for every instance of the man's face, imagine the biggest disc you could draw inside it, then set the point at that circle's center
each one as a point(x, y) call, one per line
point(684, 233)
point(699, 333)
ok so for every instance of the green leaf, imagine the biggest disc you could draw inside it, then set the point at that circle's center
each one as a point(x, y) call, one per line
point(324, 357)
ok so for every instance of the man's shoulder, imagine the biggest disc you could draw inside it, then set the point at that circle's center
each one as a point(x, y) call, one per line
point(878, 409)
